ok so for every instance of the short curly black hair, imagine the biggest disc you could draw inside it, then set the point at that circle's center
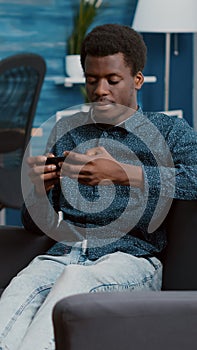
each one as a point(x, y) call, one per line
point(109, 39)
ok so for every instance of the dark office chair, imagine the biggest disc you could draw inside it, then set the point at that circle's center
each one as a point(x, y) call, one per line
point(21, 79)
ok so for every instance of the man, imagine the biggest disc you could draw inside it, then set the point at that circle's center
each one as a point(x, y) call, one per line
point(121, 171)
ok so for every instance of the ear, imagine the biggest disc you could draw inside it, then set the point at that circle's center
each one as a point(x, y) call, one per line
point(139, 80)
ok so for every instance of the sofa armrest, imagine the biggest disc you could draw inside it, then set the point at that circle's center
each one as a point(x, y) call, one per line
point(17, 248)
point(180, 258)
point(122, 321)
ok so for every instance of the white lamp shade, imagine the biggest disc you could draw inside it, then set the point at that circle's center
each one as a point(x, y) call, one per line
point(166, 16)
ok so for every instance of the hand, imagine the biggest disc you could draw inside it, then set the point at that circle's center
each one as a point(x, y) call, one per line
point(44, 177)
point(94, 167)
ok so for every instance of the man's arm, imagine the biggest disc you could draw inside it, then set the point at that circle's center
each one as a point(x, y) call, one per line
point(182, 142)
point(40, 211)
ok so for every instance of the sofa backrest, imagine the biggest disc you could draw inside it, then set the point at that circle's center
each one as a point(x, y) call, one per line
point(180, 256)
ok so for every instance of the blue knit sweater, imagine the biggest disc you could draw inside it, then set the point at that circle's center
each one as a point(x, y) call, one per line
point(117, 217)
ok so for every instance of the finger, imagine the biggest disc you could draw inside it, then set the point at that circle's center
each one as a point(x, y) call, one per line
point(32, 161)
point(50, 155)
point(70, 170)
point(50, 168)
point(46, 179)
point(76, 158)
point(95, 151)
point(39, 173)
point(41, 169)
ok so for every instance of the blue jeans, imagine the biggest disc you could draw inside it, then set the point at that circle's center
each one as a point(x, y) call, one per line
point(27, 303)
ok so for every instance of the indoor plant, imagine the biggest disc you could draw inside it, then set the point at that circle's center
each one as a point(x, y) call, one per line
point(85, 15)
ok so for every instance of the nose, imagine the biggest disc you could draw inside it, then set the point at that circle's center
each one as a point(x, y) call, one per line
point(102, 88)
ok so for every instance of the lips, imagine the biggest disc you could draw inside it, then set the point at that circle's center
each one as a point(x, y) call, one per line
point(103, 105)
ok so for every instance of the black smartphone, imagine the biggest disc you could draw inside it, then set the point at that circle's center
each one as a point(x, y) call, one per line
point(55, 160)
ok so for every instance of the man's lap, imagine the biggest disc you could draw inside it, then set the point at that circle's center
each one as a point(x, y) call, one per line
point(51, 278)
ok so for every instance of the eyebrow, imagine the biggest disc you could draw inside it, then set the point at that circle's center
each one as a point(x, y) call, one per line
point(108, 75)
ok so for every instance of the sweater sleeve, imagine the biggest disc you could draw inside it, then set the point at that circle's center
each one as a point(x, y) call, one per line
point(39, 215)
point(178, 180)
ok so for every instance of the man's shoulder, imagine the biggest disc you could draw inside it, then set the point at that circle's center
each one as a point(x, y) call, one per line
point(160, 117)
point(164, 122)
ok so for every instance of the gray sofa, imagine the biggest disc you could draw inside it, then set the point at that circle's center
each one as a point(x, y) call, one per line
point(120, 321)
point(164, 320)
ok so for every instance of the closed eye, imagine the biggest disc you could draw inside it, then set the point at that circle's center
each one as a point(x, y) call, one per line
point(91, 80)
point(113, 82)
point(94, 81)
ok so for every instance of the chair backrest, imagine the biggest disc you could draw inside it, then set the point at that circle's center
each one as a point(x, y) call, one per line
point(180, 256)
point(21, 79)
